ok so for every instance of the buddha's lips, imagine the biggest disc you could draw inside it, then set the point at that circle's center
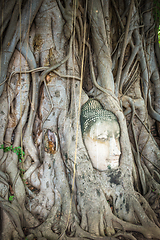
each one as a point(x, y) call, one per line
point(113, 157)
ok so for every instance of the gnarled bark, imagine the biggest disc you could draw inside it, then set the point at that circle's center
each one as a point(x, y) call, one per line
point(56, 55)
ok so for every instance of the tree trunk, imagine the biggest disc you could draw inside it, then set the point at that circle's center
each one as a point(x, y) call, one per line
point(79, 156)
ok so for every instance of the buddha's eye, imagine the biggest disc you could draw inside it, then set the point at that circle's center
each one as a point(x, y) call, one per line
point(102, 139)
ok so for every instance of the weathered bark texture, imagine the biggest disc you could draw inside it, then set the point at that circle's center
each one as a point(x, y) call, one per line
point(55, 55)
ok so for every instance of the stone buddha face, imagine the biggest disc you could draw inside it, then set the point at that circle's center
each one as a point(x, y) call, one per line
point(101, 132)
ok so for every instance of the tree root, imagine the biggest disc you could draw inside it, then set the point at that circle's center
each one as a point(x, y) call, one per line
point(118, 78)
point(106, 91)
point(147, 209)
point(28, 139)
point(83, 237)
point(45, 229)
point(43, 202)
point(14, 213)
point(25, 26)
point(125, 235)
point(155, 115)
point(80, 233)
point(55, 66)
point(149, 229)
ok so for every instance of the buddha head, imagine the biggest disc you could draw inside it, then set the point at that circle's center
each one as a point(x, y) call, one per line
point(101, 133)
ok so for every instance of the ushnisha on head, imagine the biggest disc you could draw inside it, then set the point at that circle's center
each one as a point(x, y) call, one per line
point(91, 112)
point(100, 132)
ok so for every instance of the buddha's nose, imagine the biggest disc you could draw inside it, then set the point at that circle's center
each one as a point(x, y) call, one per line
point(114, 148)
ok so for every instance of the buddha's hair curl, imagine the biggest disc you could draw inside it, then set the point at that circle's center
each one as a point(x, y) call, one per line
point(91, 112)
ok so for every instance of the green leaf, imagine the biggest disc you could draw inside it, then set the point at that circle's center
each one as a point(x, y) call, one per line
point(6, 149)
point(11, 198)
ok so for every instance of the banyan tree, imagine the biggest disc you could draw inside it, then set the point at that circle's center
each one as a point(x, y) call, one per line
point(79, 119)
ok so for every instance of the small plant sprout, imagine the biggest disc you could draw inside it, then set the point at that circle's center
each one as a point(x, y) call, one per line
point(18, 150)
point(11, 198)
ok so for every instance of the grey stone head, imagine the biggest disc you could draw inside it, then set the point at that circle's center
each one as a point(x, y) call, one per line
point(100, 132)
